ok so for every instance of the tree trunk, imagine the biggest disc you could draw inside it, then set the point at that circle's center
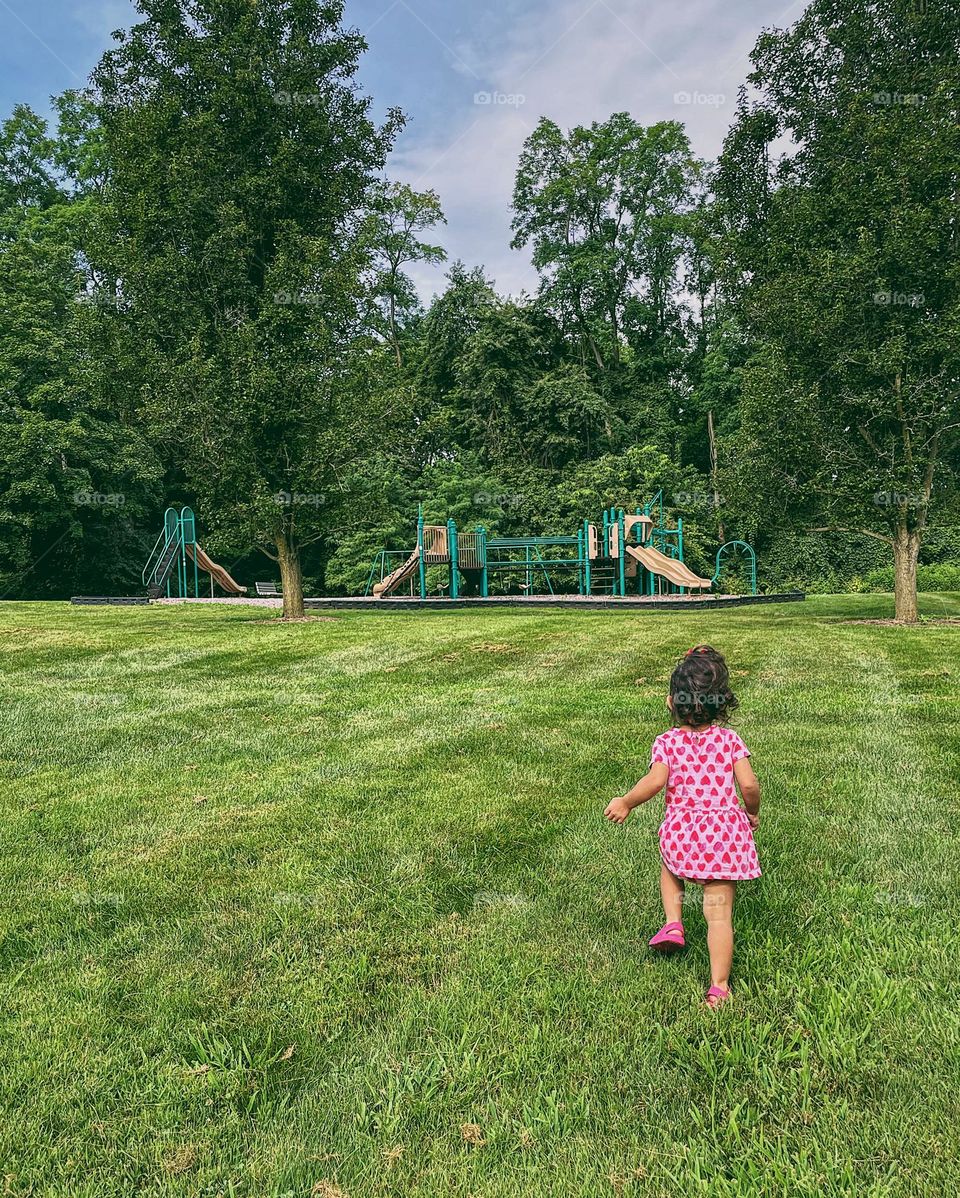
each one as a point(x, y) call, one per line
point(713, 475)
point(395, 340)
point(906, 551)
point(291, 578)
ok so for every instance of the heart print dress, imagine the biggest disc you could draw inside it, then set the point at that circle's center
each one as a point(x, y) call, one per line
point(705, 835)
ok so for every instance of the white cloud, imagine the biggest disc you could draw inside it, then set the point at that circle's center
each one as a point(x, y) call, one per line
point(577, 63)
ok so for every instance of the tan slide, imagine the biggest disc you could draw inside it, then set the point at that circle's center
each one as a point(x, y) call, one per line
point(217, 573)
point(393, 580)
point(669, 567)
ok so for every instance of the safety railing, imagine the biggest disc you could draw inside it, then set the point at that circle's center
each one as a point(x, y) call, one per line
point(436, 544)
point(167, 545)
point(470, 553)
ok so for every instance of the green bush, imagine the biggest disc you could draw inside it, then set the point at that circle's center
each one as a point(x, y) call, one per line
point(940, 577)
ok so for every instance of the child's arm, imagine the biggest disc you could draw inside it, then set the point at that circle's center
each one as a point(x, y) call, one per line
point(749, 789)
point(648, 786)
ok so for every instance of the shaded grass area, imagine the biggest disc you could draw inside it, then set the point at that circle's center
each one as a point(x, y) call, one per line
point(329, 908)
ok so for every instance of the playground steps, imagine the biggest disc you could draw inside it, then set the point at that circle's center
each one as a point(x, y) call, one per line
point(603, 576)
point(161, 572)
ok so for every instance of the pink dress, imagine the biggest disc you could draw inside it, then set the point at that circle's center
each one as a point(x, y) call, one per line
point(705, 835)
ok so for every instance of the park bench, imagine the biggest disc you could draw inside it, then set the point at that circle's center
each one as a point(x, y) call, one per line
point(269, 590)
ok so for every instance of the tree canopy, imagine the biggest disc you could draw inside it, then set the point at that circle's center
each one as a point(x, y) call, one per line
point(211, 292)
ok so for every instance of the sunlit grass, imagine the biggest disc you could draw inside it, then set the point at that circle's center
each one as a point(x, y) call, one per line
point(330, 908)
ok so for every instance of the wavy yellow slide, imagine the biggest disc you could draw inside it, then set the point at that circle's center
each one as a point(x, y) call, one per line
point(217, 573)
point(392, 581)
point(672, 570)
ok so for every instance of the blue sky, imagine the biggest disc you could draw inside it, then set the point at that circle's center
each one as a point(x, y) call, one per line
point(474, 77)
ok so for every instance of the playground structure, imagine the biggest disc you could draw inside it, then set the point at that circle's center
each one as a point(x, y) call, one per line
point(627, 554)
point(168, 569)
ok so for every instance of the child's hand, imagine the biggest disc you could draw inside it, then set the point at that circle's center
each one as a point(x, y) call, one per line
point(753, 818)
point(617, 810)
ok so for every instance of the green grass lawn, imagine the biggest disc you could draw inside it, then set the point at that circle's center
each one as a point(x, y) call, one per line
point(330, 908)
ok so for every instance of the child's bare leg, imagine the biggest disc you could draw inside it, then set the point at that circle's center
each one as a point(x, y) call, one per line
point(718, 912)
point(671, 891)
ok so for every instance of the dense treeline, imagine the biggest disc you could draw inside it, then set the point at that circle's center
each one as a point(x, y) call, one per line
point(205, 298)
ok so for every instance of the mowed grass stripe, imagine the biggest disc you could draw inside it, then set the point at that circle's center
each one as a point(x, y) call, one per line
point(378, 840)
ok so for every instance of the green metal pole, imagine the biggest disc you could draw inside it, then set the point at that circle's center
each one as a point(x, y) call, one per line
point(189, 524)
point(683, 590)
point(484, 575)
point(586, 558)
point(621, 525)
point(182, 563)
point(452, 545)
point(423, 564)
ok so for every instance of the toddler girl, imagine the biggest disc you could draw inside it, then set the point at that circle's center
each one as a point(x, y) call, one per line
point(706, 836)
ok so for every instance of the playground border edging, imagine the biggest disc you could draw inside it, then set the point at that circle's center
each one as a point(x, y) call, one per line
point(532, 602)
point(547, 603)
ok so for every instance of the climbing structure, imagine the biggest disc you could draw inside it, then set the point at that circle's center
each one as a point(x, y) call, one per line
point(622, 554)
point(176, 559)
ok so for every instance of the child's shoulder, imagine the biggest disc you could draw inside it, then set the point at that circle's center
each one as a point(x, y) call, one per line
point(725, 733)
point(718, 733)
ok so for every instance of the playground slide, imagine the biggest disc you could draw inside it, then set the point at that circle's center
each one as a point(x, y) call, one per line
point(393, 580)
point(672, 570)
point(217, 573)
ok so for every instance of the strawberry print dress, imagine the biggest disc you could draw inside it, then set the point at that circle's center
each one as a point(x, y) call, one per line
point(705, 835)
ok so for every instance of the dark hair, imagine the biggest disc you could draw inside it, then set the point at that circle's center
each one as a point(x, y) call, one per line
point(700, 688)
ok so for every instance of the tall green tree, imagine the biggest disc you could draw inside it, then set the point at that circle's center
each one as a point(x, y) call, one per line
point(602, 208)
point(75, 474)
point(517, 398)
point(847, 255)
point(399, 216)
point(242, 158)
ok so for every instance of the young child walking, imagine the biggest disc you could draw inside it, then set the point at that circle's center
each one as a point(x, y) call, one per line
point(706, 836)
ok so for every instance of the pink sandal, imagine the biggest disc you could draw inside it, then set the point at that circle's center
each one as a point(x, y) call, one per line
point(669, 939)
point(717, 996)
